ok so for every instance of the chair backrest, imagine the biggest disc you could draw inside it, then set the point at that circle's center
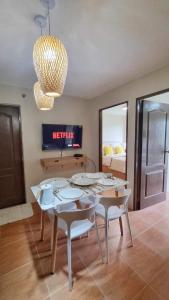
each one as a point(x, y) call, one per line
point(70, 216)
point(116, 201)
point(77, 215)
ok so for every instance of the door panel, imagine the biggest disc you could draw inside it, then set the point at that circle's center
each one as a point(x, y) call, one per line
point(155, 117)
point(154, 183)
point(156, 142)
point(11, 166)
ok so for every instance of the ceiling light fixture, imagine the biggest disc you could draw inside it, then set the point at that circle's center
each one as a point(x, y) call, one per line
point(50, 60)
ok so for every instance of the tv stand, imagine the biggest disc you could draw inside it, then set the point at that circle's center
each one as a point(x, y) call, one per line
point(64, 163)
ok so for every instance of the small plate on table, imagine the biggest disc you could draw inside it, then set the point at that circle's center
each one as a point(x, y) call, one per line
point(78, 175)
point(95, 176)
point(107, 182)
point(57, 183)
point(84, 181)
point(71, 193)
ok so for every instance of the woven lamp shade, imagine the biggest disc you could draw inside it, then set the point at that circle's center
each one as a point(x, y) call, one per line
point(43, 102)
point(51, 63)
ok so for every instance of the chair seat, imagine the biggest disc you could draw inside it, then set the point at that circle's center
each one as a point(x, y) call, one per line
point(114, 212)
point(78, 228)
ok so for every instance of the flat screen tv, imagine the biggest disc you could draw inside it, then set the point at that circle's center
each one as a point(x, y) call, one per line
point(59, 137)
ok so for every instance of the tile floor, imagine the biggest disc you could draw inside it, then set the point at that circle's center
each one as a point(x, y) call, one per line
point(137, 273)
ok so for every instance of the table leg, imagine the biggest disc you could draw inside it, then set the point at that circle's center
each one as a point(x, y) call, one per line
point(42, 225)
point(52, 233)
point(116, 193)
point(54, 239)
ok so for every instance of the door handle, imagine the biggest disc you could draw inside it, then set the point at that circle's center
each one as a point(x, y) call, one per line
point(166, 151)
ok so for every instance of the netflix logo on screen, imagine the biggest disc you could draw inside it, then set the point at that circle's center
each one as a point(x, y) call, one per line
point(61, 136)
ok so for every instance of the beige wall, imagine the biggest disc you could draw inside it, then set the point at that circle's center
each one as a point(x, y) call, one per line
point(151, 83)
point(81, 112)
point(66, 110)
point(113, 128)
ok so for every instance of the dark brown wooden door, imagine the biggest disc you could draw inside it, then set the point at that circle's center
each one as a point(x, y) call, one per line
point(154, 158)
point(11, 165)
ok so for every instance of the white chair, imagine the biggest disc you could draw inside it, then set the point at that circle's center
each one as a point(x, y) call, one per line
point(110, 208)
point(76, 223)
point(51, 212)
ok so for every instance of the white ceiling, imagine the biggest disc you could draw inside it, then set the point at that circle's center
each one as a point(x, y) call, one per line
point(109, 42)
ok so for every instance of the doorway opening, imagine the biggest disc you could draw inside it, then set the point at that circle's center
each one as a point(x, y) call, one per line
point(151, 149)
point(12, 191)
point(113, 124)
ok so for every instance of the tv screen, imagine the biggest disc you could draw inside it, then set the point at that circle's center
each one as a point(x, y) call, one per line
point(61, 137)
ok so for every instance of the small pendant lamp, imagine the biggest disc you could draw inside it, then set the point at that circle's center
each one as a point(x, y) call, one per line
point(43, 102)
point(50, 60)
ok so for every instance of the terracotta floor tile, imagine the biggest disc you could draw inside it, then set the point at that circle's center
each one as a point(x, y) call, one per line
point(150, 215)
point(114, 228)
point(142, 260)
point(23, 283)
point(148, 294)
point(163, 226)
point(118, 244)
point(154, 213)
point(84, 286)
point(117, 279)
point(162, 207)
point(160, 282)
point(14, 231)
point(60, 277)
point(138, 225)
point(83, 248)
point(84, 290)
point(16, 255)
point(57, 280)
point(156, 241)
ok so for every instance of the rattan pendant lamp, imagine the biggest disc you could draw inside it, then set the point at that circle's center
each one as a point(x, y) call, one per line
point(50, 60)
point(43, 102)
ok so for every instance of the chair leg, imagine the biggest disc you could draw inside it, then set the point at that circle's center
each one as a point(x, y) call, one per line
point(69, 255)
point(128, 223)
point(121, 226)
point(98, 241)
point(106, 237)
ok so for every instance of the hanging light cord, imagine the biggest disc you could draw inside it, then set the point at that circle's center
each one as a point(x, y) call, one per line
point(49, 18)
